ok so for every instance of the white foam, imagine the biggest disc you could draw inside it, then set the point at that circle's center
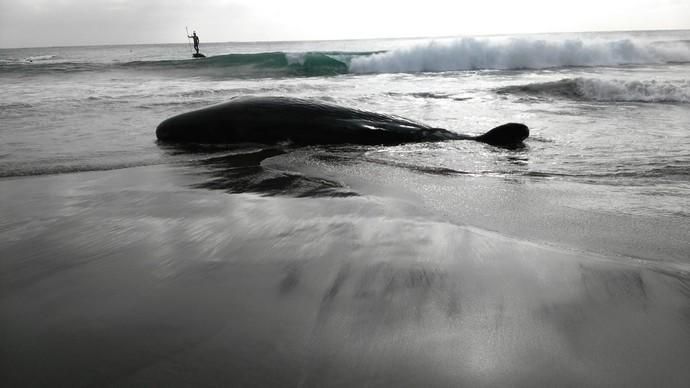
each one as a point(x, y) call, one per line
point(36, 58)
point(295, 58)
point(517, 53)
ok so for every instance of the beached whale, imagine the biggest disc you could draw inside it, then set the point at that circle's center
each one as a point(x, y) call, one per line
point(270, 120)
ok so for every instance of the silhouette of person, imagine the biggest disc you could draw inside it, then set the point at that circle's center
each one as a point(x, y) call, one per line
point(196, 41)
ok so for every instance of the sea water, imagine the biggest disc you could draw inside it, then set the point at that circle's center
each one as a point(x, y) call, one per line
point(608, 112)
point(563, 262)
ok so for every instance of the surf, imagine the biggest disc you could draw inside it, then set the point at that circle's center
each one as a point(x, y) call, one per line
point(442, 55)
point(606, 90)
point(430, 56)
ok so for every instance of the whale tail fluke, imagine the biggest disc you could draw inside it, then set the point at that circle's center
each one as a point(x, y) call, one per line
point(506, 135)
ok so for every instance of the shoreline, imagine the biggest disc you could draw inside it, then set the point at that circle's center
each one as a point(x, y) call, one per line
point(479, 194)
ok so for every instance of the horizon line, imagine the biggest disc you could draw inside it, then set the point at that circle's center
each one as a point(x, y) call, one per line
point(347, 39)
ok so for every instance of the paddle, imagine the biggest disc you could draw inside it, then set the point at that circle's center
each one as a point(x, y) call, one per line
point(188, 41)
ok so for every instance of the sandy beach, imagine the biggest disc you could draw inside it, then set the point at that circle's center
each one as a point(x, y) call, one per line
point(139, 277)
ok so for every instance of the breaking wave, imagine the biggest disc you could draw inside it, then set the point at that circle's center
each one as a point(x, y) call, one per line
point(592, 89)
point(518, 53)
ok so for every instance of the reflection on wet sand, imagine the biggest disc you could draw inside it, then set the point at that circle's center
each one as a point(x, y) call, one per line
point(242, 173)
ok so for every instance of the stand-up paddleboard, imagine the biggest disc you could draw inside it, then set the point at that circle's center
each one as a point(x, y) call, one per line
point(198, 55)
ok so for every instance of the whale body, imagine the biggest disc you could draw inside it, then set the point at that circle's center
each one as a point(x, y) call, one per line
point(270, 120)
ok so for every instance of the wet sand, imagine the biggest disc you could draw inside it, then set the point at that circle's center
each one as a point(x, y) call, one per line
point(139, 277)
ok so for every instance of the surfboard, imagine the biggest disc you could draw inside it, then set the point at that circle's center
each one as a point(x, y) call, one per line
point(198, 55)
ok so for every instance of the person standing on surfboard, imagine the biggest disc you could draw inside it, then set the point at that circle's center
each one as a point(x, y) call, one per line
point(196, 41)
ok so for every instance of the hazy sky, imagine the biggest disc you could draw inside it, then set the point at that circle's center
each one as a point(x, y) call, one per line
point(25, 23)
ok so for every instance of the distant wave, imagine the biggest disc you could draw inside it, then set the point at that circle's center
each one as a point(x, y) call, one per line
point(48, 58)
point(518, 53)
point(36, 58)
point(591, 89)
point(271, 64)
point(274, 63)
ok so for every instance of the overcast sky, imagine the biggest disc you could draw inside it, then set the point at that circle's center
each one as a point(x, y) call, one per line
point(27, 23)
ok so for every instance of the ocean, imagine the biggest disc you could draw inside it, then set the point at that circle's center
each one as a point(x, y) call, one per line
point(563, 262)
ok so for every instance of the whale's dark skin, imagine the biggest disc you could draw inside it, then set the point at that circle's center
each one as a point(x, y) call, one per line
point(270, 120)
